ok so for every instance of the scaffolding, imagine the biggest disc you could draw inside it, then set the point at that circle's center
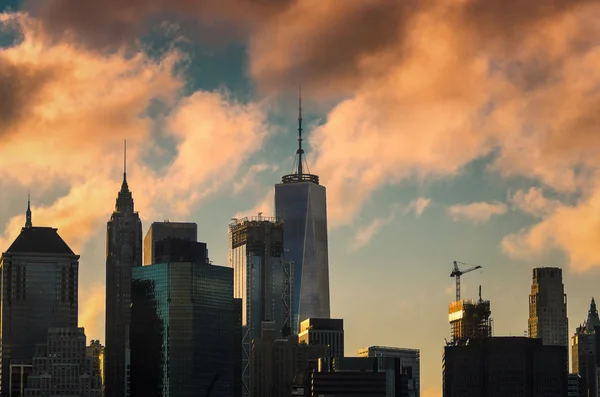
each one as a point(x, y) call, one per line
point(469, 320)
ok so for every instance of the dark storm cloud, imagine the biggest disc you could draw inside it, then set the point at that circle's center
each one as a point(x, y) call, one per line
point(108, 23)
point(20, 87)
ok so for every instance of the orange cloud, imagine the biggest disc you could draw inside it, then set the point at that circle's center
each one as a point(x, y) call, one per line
point(92, 302)
point(479, 212)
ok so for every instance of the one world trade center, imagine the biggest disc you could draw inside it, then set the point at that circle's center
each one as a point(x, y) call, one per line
point(301, 203)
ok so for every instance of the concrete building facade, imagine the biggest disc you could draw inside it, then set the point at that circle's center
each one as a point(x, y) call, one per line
point(409, 359)
point(548, 307)
point(163, 230)
point(327, 332)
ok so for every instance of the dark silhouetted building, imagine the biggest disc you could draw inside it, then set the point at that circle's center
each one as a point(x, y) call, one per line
point(360, 376)
point(61, 367)
point(324, 332)
point(163, 230)
point(261, 280)
point(410, 360)
point(548, 307)
point(39, 291)
point(301, 203)
point(505, 366)
point(123, 253)
point(585, 346)
point(282, 364)
point(574, 386)
point(184, 329)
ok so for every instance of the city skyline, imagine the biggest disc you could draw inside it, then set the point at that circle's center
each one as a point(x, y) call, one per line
point(493, 166)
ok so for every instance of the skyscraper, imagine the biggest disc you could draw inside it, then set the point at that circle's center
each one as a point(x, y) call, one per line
point(548, 307)
point(261, 279)
point(301, 203)
point(323, 332)
point(123, 253)
point(584, 351)
point(39, 291)
point(184, 326)
point(162, 230)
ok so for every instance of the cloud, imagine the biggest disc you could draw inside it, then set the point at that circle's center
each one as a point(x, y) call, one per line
point(250, 177)
point(477, 213)
point(534, 202)
point(366, 233)
point(573, 229)
point(266, 206)
point(92, 301)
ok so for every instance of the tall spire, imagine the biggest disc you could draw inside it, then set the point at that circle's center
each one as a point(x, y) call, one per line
point(125, 160)
point(124, 199)
point(300, 151)
point(28, 213)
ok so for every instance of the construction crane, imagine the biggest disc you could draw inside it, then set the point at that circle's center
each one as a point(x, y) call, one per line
point(456, 272)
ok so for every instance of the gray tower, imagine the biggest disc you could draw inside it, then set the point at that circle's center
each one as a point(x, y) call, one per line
point(548, 307)
point(123, 253)
point(39, 291)
point(301, 203)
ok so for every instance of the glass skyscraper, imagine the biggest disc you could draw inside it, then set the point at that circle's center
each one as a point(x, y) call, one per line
point(39, 291)
point(183, 328)
point(262, 280)
point(301, 203)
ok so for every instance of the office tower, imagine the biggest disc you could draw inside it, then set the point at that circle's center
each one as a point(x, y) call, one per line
point(61, 367)
point(548, 307)
point(469, 320)
point(123, 253)
point(162, 230)
point(505, 366)
point(325, 332)
point(360, 376)
point(39, 291)
point(261, 280)
point(301, 203)
point(409, 359)
point(584, 352)
point(280, 365)
point(183, 329)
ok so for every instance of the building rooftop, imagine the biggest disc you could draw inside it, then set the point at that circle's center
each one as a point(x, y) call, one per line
point(39, 240)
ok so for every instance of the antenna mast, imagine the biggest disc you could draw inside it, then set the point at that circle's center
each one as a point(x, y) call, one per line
point(125, 159)
point(300, 151)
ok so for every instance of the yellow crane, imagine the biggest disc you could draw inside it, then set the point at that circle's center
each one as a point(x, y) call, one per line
point(456, 272)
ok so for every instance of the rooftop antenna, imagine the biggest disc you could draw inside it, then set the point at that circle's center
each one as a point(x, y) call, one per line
point(300, 152)
point(125, 160)
point(28, 213)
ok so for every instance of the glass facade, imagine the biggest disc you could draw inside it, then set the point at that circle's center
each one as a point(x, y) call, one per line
point(39, 291)
point(183, 332)
point(410, 358)
point(163, 230)
point(302, 206)
point(261, 280)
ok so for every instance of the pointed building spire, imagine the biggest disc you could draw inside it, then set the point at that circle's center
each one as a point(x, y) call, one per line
point(300, 151)
point(28, 213)
point(124, 199)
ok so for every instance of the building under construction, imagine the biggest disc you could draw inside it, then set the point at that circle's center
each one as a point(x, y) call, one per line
point(469, 319)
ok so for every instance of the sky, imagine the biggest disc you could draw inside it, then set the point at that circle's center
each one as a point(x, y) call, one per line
point(443, 130)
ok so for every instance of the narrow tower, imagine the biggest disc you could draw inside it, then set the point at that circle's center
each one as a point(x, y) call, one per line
point(548, 307)
point(123, 253)
point(301, 203)
point(28, 213)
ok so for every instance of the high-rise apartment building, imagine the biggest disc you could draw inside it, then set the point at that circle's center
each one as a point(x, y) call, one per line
point(409, 359)
point(184, 329)
point(301, 203)
point(39, 291)
point(585, 346)
point(327, 332)
point(548, 307)
point(61, 367)
point(505, 366)
point(162, 230)
point(123, 253)
point(262, 280)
